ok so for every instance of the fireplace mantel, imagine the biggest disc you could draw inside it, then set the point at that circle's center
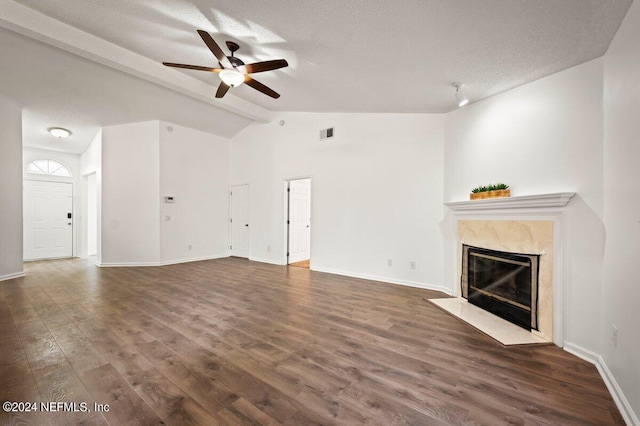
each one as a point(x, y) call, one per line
point(496, 219)
point(540, 201)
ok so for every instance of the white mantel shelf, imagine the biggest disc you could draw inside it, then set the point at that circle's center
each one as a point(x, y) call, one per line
point(557, 200)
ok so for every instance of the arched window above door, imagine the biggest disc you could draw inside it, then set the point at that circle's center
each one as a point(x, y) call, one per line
point(48, 167)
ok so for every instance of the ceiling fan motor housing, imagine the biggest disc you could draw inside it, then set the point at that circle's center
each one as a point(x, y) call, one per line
point(236, 62)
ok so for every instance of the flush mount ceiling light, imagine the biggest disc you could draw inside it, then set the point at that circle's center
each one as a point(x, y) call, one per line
point(461, 99)
point(232, 78)
point(59, 132)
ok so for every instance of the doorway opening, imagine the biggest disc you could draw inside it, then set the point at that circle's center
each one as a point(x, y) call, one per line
point(299, 222)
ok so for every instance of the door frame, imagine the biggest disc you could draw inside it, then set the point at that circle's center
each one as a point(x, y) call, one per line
point(84, 210)
point(230, 223)
point(74, 217)
point(285, 222)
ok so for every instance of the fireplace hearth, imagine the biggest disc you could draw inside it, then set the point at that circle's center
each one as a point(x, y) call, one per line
point(503, 283)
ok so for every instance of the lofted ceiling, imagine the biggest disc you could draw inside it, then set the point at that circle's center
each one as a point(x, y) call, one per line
point(93, 63)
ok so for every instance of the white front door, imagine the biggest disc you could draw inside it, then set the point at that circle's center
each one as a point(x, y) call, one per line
point(48, 229)
point(240, 221)
point(299, 220)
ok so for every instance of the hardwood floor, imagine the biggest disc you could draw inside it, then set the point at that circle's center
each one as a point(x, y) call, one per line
point(301, 264)
point(230, 341)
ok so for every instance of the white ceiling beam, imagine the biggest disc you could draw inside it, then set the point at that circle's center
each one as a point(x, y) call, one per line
point(23, 20)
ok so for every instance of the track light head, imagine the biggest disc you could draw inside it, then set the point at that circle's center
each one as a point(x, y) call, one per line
point(461, 99)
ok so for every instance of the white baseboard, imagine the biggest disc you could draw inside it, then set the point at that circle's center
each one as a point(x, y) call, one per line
point(263, 260)
point(12, 276)
point(581, 352)
point(618, 396)
point(125, 264)
point(169, 262)
point(194, 259)
point(388, 280)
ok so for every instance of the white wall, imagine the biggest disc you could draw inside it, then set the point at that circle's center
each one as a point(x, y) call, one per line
point(141, 164)
point(130, 194)
point(377, 191)
point(91, 208)
point(72, 161)
point(194, 168)
point(10, 190)
point(620, 289)
point(91, 201)
point(543, 137)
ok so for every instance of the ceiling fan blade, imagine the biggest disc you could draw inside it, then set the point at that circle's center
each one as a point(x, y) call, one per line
point(222, 90)
point(213, 47)
point(265, 66)
point(191, 67)
point(260, 87)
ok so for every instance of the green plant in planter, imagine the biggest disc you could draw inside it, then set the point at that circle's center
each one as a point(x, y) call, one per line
point(490, 187)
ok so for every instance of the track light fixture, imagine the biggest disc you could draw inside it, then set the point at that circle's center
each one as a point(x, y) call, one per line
point(461, 99)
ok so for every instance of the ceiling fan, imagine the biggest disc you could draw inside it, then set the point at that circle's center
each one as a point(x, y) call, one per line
point(233, 72)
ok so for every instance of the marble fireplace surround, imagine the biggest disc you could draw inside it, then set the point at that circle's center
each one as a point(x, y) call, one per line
point(531, 224)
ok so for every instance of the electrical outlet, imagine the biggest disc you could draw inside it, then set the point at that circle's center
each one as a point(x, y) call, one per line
point(190, 246)
point(167, 218)
point(389, 262)
point(614, 336)
point(412, 265)
point(268, 248)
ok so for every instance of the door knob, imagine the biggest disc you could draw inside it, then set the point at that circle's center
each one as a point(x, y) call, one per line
point(246, 224)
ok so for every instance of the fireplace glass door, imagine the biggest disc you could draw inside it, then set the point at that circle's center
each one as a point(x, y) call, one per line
point(502, 283)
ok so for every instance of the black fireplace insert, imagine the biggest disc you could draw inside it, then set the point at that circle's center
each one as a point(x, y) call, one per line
point(503, 283)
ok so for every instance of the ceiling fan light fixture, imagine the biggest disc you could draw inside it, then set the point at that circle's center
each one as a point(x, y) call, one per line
point(59, 132)
point(461, 99)
point(231, 78)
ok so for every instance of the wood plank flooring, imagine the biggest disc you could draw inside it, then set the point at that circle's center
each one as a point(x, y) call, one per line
point(302, 264)
point(230, 341)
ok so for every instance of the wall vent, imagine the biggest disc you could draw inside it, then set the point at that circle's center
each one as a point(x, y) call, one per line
point(329, 133)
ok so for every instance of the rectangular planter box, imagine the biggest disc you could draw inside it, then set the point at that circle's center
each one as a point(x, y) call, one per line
point(499, 193)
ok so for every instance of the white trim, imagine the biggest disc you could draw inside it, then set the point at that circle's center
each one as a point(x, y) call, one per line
point(34, 174)
point(287, 194)
point(560, 262)
point(263, 260)
point(626, 411)
point(580, 352)
point(559, 199)
point(48, 258)
point(169, 262)
point(230, 222)
point(387, 280)
point(616, 393)
point(12, 276)
point(74, 200)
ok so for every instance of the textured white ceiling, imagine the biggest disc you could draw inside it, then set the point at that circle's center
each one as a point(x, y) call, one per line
point(359, 56)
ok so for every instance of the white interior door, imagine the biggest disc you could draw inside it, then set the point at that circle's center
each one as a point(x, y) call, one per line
point(240, 221)
point(299, 220)
point(48, 229)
